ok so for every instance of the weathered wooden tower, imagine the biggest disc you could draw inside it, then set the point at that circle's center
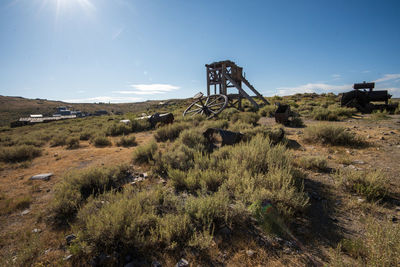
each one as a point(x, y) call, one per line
point(223, 75)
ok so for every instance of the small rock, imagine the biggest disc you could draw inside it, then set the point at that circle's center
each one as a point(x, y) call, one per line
point(43, 177)
point(36, 230)
point(68, 257)
point(368, 136)
point(47, 250)
point(250, 253)
point(25, 212)
point(358, 162)
point(55, 154)
point(398, 209)
point(329, 157)
point(360, 200)
point(382, 138)
point(69, 238)
point(145, 175)
point(182, 263)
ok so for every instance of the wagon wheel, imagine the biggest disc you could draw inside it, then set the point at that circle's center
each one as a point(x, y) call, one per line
point(210, 106)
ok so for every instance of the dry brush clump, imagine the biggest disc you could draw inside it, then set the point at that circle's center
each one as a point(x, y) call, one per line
point(378, 246)
point(79, 185)
point(100, 141)
point(373, 185)
point(19, 153)
point(169, 131)
point(316, 163)
point(144, 153)
point(332, 135)
point(127, 141)
point(332, 113)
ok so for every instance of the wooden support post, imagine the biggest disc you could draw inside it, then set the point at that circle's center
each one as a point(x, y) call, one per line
point(208, 81)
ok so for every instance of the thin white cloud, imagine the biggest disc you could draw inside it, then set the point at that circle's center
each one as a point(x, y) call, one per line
point(149, 89)
point(104, 99)
point(155, 87)
point(313, 88)
point(336, 76)
point(388, 77)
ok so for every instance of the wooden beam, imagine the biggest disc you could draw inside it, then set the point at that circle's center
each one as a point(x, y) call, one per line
point(241, 91)
point(246, 82)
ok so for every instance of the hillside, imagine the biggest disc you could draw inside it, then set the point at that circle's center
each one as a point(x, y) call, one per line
point(12, 108)
point(326, 193)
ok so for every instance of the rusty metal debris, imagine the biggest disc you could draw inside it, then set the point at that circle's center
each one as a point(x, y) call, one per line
point(284, 115)
point(165, 118)
point(362, 96)
point(219, 137)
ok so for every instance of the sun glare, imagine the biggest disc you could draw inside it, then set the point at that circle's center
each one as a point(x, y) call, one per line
point(64, 5)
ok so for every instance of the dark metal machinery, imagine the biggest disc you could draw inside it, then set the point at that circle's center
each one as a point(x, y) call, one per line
point(362, 96)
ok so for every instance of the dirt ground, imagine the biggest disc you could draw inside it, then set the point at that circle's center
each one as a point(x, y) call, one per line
point(333, 214)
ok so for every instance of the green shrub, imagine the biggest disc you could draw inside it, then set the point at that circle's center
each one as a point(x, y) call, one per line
point(227, 113)
point(143, 221)
point(313, 163)
point(140, 125)
point(101, 141)
point(246, 117)
point(169, 132)
point(86, 135)
point(193, 139)
point(332, 135)
point(76, 186)
point(333, 113)
point(72, 142)
point(296, 122)
point(19, 153)
point(144, 153)
point(58, 140)
point(127, 141)
point(379, 246)
point(118, 129)
point(267, 111)
point(373, 185)
point(179, 157)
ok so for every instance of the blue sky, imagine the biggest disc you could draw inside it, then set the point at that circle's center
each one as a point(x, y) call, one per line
point(127, 51)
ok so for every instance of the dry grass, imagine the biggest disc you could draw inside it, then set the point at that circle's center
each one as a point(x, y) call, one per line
point(19, 153)
point(332, 135)
point(373, 185)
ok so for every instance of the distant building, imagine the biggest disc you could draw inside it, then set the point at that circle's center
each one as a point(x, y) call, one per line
point(36, 116)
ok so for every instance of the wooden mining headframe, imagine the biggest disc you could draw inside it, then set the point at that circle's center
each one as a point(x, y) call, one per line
point(226, 74)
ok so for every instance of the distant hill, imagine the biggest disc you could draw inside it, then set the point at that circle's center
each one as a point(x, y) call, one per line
point(13, 107)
